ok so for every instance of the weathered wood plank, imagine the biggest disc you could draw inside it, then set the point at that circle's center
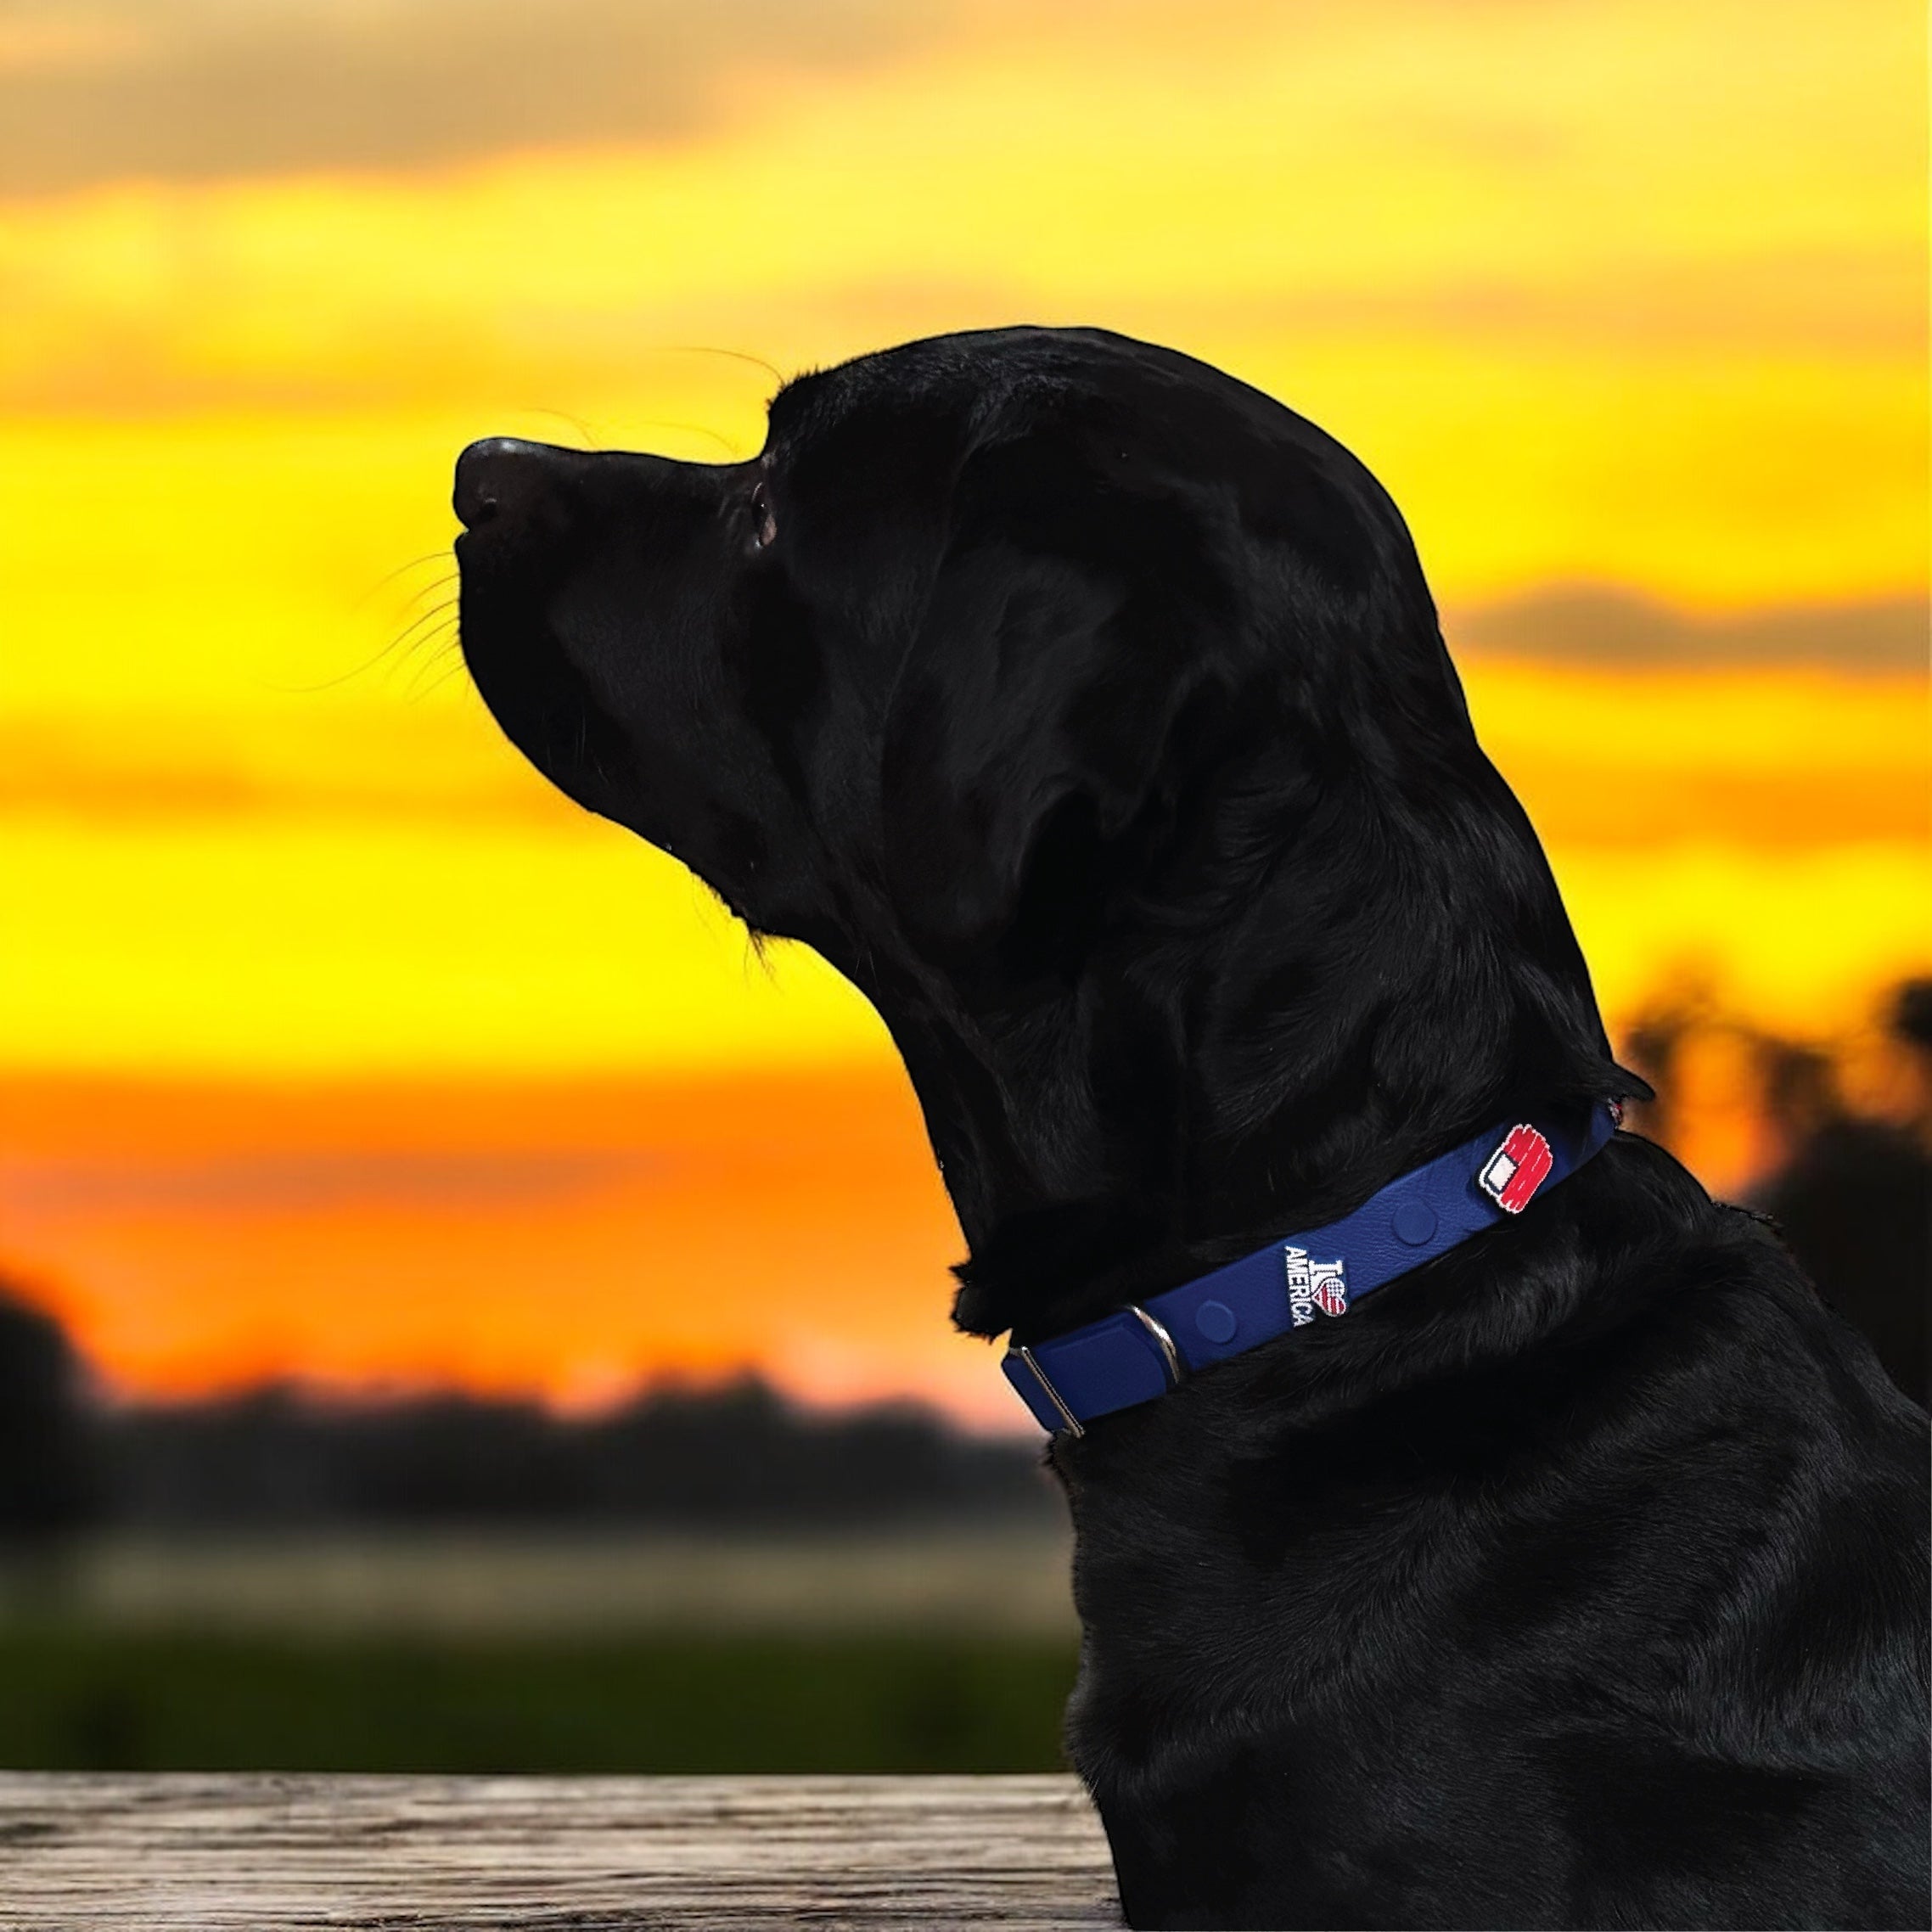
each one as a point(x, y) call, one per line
point(184, 1851)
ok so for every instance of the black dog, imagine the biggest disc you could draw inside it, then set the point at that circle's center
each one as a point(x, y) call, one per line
point(1089, 711)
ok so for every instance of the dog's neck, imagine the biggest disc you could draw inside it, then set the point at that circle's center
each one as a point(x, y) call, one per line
point(1194, 1094)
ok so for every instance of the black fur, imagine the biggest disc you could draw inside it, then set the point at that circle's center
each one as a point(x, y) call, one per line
point(1089, 711)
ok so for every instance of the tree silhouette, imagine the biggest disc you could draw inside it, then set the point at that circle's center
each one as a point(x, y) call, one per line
point(46, 1488)
point(1854, 1203)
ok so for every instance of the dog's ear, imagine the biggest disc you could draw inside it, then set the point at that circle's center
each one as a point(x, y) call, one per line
point(1029, 722)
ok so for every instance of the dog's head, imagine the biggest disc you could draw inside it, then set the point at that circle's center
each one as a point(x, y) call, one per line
point(917, 670)
point(1018, 668)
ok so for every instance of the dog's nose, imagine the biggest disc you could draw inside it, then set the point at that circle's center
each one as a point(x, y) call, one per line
point(498, 480)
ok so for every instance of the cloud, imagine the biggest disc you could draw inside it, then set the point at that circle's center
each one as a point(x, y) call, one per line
point(1593, 624)
point(100, 90)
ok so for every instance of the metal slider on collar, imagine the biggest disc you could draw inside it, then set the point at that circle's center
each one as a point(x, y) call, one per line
point(1169, 1356)
point(1053, 1394)
point(1170, 1360)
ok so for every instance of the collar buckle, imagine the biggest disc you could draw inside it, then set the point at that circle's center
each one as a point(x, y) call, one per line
point(1053, 1394)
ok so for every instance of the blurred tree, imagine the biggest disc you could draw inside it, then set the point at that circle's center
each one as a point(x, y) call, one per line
point(1848, 1181)
point(1854, 1202)
point(46, 1486)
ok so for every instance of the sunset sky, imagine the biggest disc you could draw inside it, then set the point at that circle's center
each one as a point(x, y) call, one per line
point(332, 1044)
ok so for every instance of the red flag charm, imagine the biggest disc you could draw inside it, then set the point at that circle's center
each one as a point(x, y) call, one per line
point(1511, 1174)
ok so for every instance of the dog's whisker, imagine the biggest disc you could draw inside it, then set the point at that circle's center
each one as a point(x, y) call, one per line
point(442, 626)
point(436, 684)
point(591, 439)
point(441, 631)
point(434, 640)
point(432, 617)
point(368, 664)
point(383, 583)
point(771, 369)
point(433, 673)
point(733, 450)
point(449, 580)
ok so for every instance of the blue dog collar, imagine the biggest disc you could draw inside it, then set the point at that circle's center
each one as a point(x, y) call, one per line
point(1142, 1351)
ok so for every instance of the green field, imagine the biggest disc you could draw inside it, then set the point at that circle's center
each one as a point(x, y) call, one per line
point(935, 1650)
point(80, 1699)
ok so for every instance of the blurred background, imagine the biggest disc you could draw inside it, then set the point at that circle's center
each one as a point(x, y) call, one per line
point(461, 1308)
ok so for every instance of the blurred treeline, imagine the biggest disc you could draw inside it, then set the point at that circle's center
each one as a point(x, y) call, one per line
point(739, 1457)
point(736, 1457)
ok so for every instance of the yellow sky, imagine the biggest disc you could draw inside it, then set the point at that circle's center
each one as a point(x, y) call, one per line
point(1628, 296)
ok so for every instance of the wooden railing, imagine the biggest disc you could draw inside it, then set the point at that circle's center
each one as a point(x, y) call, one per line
point(193, 1852)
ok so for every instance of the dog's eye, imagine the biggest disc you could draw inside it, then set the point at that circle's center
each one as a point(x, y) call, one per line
point(764, 519)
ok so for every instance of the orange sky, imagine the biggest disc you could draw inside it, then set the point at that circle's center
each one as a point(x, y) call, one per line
point(556, 1234)
point(1625, 302)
